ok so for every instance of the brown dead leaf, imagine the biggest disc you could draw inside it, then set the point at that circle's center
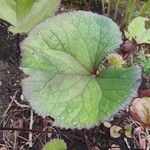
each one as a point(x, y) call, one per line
point(140, 109)
point(3, 148)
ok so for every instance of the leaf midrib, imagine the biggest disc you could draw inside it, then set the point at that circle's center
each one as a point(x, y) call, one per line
point(63, 48)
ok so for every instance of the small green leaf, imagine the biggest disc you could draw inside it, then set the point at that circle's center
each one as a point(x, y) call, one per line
point(55, 144)
point(137, 31)
point(128, 130)
point(62, 56)
point(24, 14)
point(145, 62)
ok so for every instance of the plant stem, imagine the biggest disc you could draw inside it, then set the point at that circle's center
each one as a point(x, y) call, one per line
point(108, 8)
point(116, 9)
point(144, 8)
point(130, 7)
point(103, 7)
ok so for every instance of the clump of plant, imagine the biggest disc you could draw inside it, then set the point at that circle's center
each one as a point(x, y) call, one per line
point(145, 11)
point(61, 57)
point(129, 11)
point(145, 62)
point(116, 131)
point(55, 144)
point(25, 14)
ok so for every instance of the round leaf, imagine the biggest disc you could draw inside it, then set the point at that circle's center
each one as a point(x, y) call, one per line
point(61, 57)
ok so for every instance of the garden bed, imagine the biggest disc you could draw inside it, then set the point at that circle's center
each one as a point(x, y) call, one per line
point(17, 116)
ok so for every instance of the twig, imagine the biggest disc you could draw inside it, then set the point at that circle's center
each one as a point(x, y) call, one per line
point(103, 7)
point(15, 140)
point(108, 8)
point(31, 125)
point(7, 109)
point(5, 141)
point(10, 104)
point(33, 131)
point(116, 9)
point(126, 141)
point(21, 105)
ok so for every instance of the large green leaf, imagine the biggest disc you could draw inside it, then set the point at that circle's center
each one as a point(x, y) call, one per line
point(55, 144)
point(24, 14)
point(137, 30)
point(62, 56)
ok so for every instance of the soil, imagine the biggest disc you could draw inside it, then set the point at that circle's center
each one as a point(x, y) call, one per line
point(16, 112)
point(9, 62)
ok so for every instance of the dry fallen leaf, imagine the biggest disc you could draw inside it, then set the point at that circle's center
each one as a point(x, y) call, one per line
point(107, 124)
point(114, 131)
point(140, 109)
point(3, 148)
point(114, 147)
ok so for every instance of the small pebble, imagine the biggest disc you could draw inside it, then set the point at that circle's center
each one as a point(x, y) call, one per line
point(22, 97)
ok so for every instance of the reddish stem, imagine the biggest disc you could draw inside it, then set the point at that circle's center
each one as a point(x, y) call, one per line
point(144, 93)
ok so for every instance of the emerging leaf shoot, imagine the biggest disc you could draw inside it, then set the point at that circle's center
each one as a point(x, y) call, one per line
point(115, 60)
